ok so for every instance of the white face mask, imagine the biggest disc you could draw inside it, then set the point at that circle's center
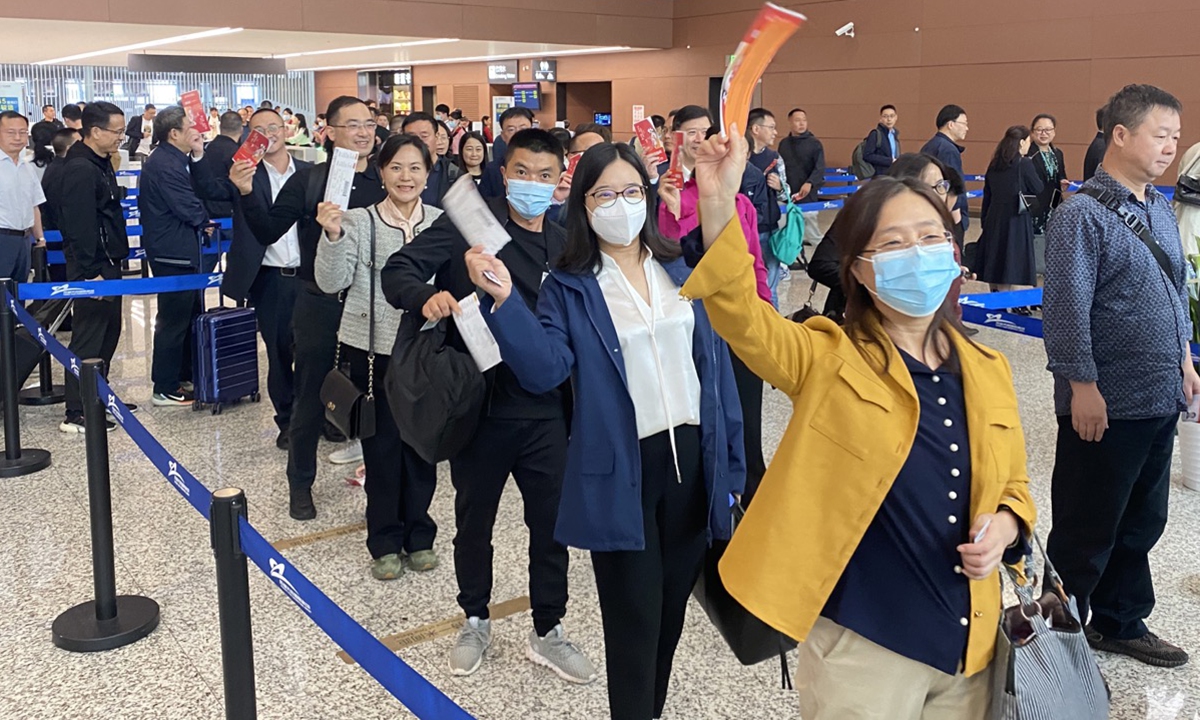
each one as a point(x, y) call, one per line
point(620, 223)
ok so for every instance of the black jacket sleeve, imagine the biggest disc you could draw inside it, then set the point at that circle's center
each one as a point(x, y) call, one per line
point(405, 277)
point(875, 152)
point(79, 221)
point(787, 153)
point(825, 265)
point(268, 224)
point(817, 177)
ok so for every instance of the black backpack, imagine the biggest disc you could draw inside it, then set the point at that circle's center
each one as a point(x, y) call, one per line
point(860, 167)
point(434, 390)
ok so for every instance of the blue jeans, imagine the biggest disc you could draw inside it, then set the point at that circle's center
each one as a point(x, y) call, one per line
point(774, 270)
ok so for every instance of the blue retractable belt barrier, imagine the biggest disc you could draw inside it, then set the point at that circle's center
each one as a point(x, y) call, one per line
point(128, 173)
point(408, 686)
point(1003, 300)
point(112, 288)
point(841, 178)
point(136, 230)
point(56, 257)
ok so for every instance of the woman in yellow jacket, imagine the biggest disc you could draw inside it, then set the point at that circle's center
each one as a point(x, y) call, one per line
point(900, 483)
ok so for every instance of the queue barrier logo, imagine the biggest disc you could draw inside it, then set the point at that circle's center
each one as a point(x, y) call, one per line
point(214, 279)
point(42, 337)
point(177, 479)
point(114, 409)
point(998, 321)
point(69, 290)
point(75, 366)
point(277, 570)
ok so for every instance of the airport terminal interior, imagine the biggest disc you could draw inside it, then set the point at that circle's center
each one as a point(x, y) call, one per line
point(614, 69)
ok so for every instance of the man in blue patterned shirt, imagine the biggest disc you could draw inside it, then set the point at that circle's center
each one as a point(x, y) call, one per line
point(1116, 327)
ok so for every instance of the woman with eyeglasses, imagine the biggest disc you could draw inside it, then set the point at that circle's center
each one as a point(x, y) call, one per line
point(1011, 190)
point(900, 483)
point(656, 445)
point(1052, 170)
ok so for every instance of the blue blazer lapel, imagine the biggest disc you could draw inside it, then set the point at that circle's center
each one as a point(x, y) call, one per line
point(597, 311)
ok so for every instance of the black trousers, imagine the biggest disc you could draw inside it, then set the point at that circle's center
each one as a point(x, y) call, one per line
point(534, 452)
point(172, 358)
point(644, 595)
point(273, 296)
point(400, 485)
point(750, 396)
point(95, 334)
point(316, 343)
point(1109, 501)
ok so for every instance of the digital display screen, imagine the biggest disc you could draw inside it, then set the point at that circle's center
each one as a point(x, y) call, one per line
point(527, 95)
point(604, 119)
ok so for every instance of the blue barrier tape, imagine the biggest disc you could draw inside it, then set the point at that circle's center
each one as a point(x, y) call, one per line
point(45, 338)
point(112, 288)
point(841, 178)
point(1003, 300)
point(136, 230)
point(1000, 320)
point(128, 173)
point(839, 190)
point(407, 685)
point(56, 257)
point(183, 481)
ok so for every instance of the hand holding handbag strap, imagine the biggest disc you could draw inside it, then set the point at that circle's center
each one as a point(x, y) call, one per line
point(1109, 199)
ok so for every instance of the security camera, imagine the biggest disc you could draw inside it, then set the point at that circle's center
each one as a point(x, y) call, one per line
point(846, 30)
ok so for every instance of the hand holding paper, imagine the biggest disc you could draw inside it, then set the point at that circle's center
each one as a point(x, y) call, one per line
point(341, 177)
point(253, 149)
point(489, 273)
point(474, 219)
point(475, 334)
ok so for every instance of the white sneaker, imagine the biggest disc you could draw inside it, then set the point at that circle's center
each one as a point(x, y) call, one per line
point(473, 641)
point(560, 655)
point(352, 453)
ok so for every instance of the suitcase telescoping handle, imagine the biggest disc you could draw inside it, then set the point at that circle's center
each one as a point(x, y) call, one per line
point(202, 235)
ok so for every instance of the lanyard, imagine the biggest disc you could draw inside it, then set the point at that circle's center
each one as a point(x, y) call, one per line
point(651, 323)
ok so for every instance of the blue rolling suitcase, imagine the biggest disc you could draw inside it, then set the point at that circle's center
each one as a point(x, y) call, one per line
point(225, 367)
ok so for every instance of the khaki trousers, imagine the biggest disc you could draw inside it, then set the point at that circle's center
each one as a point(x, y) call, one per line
point(840, 675)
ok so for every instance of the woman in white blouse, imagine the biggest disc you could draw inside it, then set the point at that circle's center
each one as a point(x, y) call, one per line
point(656, 434)
point(400, 484)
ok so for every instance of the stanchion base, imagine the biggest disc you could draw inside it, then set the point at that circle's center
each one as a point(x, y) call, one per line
point(78, 630)
point(32, 460)
point(34, 396)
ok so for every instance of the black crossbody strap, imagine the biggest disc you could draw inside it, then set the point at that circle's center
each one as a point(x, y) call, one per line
point(1110, 200)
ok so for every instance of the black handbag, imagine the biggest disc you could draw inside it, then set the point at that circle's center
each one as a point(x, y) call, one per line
point(434, 390)
point(750, 639)
point(346, 406)
point(1187, 190)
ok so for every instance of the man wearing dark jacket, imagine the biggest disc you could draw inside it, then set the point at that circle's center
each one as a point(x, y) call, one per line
point(444, 172)
point(218, 158)
point(519, 433)
point(882, 145)
point(173, 221)
point(512, 121)
point(140, 132)
point(267, 274)
point(946, 145)
point(1095, 151)
point(804, 163)
point(351, 127)
point(94, 241)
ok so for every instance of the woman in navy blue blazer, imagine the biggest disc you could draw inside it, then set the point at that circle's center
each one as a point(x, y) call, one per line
point(656, 435)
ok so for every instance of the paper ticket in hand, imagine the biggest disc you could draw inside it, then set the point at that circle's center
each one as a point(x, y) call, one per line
point(253, 149)
point(769, 31)
point(651, 143)
point(341, 177)
point(474, 219)
point(1192, 414)
point(194, 107)
point(475, 333)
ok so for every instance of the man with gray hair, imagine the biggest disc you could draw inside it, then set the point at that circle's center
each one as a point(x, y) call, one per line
point(173, 222)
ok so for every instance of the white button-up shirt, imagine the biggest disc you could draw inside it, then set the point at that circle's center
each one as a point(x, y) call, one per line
point(20, 193)
point(656, 342)
point(284, 253)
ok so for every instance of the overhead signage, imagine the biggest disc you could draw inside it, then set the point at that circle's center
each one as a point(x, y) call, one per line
point(502, 71)
point(545, 70)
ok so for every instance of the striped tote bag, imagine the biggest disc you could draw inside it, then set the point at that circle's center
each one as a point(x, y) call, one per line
point(1044, 669)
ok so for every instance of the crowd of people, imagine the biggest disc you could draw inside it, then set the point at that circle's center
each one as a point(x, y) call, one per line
point(636, 312)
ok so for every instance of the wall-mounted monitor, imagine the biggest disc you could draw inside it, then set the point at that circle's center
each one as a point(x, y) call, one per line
point(527, 95)
point(604, 119)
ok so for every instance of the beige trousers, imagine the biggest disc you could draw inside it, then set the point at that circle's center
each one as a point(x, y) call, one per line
point(840, 675)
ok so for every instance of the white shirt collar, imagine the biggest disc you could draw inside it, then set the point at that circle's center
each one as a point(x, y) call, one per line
point(290, 168)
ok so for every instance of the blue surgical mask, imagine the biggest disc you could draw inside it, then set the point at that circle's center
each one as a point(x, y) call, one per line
point(530, 199)
point(914, 281)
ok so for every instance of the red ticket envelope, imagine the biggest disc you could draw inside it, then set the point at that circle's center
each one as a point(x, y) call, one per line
point(652, 146)
point(253, 149)
point(572, 162)
point(675, 170)
point(193, 106)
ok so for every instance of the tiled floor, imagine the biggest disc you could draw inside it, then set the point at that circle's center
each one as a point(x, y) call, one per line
point(162, 550)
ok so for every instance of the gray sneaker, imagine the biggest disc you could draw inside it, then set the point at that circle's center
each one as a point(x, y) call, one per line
point(473, 642)
point(557, 653)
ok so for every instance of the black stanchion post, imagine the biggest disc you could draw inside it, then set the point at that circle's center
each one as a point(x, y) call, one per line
point(233, 603)
point(46, 392)
point(110, 621)
point(17, 461)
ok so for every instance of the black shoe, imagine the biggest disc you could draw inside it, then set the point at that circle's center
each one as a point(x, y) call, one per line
point(281, 442)
point(300, 506)
point(1149, 648)
point(332, 434)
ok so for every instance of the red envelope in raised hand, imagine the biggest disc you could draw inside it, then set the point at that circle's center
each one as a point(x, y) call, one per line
point(194, 107)
point(652, 147)
point(770, 30)
point(253, 149)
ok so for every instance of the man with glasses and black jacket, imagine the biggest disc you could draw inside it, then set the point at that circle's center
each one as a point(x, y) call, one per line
point(94, 241)
point(351, 127)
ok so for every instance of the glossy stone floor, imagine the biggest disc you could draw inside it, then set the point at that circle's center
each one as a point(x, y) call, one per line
point(162, 550)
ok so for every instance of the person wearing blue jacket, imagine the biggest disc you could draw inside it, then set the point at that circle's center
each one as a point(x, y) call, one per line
point(946, 146)
point(656, 433)
point(173, 223)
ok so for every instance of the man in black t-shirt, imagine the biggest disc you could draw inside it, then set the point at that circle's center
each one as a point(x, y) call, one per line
point(519, 433)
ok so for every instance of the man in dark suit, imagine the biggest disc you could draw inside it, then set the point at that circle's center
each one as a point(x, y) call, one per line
point(1095, 151)
point(265, 275)
point(218, 158)
point(140, 132)
point(444, 172)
